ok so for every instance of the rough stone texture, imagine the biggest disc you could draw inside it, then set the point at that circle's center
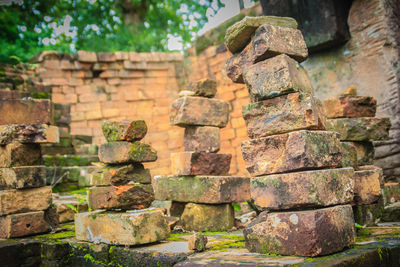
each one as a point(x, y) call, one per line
point(125, 152)
point(130, 228)
point(200, 163)
point(64, 211)
point(120, 175)
point(124, 131)
point(26, 133)
point(347, 106)
point(391, 213)
point(23, 224)
point(137, 196)
point(349, 155)
point(33, 111)
point(202, 189)
point(293, 151)
point(283, 114)
point(360, 129)
point(365, 152)
point(201, 139)
point(238, 35)
point(369, 214)
point(204, 87)
point(302, 233)
point(197, 242)
point(367, 185)
point(391, 192)
point(22, 177)
point(204, 217)
point(199, 111)
point(17, 154)
point(299, 190)
point(24, 200)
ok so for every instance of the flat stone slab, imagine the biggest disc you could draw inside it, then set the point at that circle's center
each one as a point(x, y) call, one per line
point(367, 185)
point(120, 175)
point(23, 224)
point(202, 189)
point(126, 152)
point(360, 129)
point(24, 200)
point(22, 177)
point(297, 190)
point(128, 228)
point(27, 133)
point(201, 139)
point(347, 106)
point(294, 151)
point(199, 111)
point(349, 155)
point(136, 196)
point(17, 154)
point(302, 233)
point(365, 152)
point(239, 34)
point(283, 114)
point(32, 111)
point(128, 130)
point(200, 163)
point(204, 87)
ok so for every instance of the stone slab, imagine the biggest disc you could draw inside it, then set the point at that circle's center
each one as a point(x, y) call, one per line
point(349, 155)
point(201, 139)
point(300, 190)
point(128, 130)
point(129, 228)
point(367, 185)
point(347, 106)
point(205, 87)
point(302, 233)
point(120, 175)
point(17, 154)
point(126, 197)
point(365, 152)
point(32, 111)
point(24, 200)
point(27, 133)
point(22, 177)
point(126, 152)
point(283, 114)
point(199, 111)
point(202, 189)
point(360, 129)
point(200, 163)
point(294, 151)
point(23, 224)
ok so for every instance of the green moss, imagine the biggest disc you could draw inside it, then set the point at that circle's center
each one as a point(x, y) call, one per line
point(223, 245)
point(177, 237)
point(61, 235)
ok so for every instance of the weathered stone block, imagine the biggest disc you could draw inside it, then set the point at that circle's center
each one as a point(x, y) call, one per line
point(391, 192)
point(125, 152)
point(22, 177)
point(369, 214)
point(199, 111)
point(349, 155)
point(24, 200)
point(293, 151)
point(120, 175)
point(203, 217)
point(204, 87)
point(283, 114)
point(201, 139)
point(124, 131)
point(23, 224)
point(202, 189)
point(200, 163)
point(129, 228)
point(238, 35)
point(32, 111)
point(17, 154)
point(197, 242)
point(350, 106)
point(127, 197)
point(302, 233)
point(64, 210)
point(26, 133)
point(360, 129)
point(367, 185)
point(296, 190)
point(365, 152)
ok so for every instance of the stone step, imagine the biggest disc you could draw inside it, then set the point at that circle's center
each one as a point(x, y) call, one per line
point(28, 133)
point(126, 152)
point(120, 175)
point(347, 106)
point(22, 177)
point(23, 224)
point(32, 111)
point(17, 154)
point(69, 160)
point(367, 185)
point(128, 130)
point(200, 163)
point(201, 139)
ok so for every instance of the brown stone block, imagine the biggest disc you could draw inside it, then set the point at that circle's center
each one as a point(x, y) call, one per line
point(283, 114)
point(23, 224)
point(349, 155)
point(199, 111)
point(86, 56)
point(126, 152)
point(367, 185)
point(22, 177)
point(27, 133)
point(124, 131)
point(302, 233)
point(306, 189)
point(350, 106)
point(16, 154)
point(204, 87)
point(120, 175)
point(293, 151)
point(202, 139)
point(365, 152)
point(200, 163)
point(32, 111)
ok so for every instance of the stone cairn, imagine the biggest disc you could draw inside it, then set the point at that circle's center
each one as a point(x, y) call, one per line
point(25, 200)
point(294, 162)
point(200, 190)
point(353, 117)
point(122, 191)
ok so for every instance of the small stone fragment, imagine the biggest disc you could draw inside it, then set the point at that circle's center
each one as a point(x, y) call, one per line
point(17, 154)
point(204, 87)
point(30, 111)
point(126, 152)
point(200, 163)
point(201, 139)
point(350, 106)
point(27, 133)
point(349, 155)
point(365, 152)
point(197, 242)
point(367, 185)
point(124, 131)
point(22, 177)
point(23, 224)
point(121, 175)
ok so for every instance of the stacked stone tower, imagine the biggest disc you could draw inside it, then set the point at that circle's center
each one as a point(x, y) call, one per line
point(122, 191)
point(200, 189)
point(25, 200)
point(294, 162)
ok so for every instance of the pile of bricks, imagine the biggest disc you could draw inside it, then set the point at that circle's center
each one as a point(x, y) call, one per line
point(122, 191)
point(25, 200)
point(200, 189)
point(294, 162)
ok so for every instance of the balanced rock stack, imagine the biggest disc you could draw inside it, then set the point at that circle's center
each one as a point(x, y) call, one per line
point(353, 117)
point(25, 200)
point(294, 162)
point(200, 189)
point(122, 191)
